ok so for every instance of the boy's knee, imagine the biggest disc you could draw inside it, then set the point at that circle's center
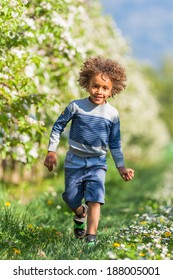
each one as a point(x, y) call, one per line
point(70, 201)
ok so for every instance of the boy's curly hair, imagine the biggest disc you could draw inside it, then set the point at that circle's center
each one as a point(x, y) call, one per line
point(110, 68)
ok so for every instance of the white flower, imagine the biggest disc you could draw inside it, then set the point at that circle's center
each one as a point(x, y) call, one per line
point(25, 2)
point(4, 76)
point(111, 255)
point(30, 71)
point(50, 35)
point(25, 138)
point(30, 22)
point(41, 38)
point(18, 53)
point(46, 6)
point(62, 46)
point(21, 156)
point(156, 240)
point(162, 255)
point(58, 20)
point(164, 249)
point(45, 89)
point(29, 34)
point(54, 193)
point(30, 120)
point(6, 88)
point(9, 115)
point(13, 3)
point(42, 52)
point(14, 93)
point(6, 69)
point(14, 14)
point(34, 151)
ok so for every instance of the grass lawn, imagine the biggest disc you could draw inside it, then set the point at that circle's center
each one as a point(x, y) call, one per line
point(136, 221)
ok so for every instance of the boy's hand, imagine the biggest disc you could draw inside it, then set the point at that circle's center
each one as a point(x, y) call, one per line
point(50, 160)
point(126, 173)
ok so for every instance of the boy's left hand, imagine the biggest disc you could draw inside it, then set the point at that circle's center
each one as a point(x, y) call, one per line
point(126, 173)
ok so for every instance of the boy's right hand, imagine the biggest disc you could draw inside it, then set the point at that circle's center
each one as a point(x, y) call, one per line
point(50, 160)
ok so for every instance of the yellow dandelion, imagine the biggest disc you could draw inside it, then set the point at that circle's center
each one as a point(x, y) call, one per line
point(16, 251)
point(7, 204)
point(146, 234)
point(168, 234)
point(143, 222)
point(141, 254)
point(30, 226)
point(50, 202)
point(116, 244)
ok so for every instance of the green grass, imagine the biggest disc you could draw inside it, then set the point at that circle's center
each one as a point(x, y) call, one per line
point(136, 222)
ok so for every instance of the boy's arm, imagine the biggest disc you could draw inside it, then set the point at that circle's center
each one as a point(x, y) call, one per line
point(115, 145)
point(117, 153)
point(58, 127)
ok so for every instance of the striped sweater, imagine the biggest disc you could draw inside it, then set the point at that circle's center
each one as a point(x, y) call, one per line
point(94, 129)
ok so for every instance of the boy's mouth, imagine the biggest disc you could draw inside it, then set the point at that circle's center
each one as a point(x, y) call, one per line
point(98, 97)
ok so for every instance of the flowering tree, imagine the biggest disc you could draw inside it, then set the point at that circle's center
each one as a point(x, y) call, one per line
point(20, 128)
point(42, 46)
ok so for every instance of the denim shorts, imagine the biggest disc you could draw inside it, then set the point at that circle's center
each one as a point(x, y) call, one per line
point(84, 179)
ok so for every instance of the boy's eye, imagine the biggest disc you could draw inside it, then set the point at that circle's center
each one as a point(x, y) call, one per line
point(105, 88)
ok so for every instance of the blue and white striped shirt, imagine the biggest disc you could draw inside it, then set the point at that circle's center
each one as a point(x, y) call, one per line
point(94, 128)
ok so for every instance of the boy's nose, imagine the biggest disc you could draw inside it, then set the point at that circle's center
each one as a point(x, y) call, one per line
point(99, 90)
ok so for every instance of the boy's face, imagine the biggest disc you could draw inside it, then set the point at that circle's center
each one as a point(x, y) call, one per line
point(99, 88)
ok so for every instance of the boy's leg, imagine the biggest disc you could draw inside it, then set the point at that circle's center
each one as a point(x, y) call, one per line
point(79, 211)
point(92, 222)
point(93, 217)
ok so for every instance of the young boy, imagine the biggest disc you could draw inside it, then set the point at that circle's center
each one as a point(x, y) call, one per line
point(95, 127)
